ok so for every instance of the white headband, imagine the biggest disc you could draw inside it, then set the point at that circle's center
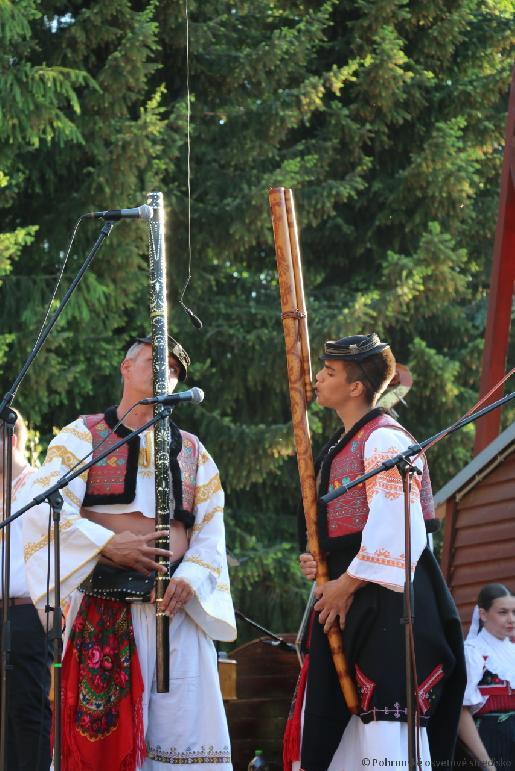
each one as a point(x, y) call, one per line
point(474, 624)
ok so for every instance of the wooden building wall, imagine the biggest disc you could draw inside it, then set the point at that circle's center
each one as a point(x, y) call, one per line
point(479, 536)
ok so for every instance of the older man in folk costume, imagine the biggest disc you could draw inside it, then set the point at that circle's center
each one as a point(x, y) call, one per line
point(113, 718)
point(362, 533)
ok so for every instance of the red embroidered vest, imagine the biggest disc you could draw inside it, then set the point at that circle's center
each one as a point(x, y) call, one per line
point(349, 513)
point(113, 480)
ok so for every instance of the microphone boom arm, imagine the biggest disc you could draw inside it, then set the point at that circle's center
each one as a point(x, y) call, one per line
point(415, 449)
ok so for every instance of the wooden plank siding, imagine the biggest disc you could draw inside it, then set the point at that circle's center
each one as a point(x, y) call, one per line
point(479, 539)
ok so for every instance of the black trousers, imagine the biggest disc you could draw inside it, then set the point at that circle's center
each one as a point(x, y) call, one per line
point(28, 683)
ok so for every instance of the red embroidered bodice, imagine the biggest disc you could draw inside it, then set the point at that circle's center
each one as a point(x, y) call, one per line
point(501, 697)
point(349, 513)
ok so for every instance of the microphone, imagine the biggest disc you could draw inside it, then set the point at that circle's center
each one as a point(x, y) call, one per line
point(192, 317)
point(195, 395)
point(143, 212)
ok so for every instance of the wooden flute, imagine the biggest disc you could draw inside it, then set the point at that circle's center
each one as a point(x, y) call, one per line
point(159, 333)
point(298, 359)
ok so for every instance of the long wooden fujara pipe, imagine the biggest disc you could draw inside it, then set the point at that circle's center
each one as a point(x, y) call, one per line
point(298, 360)
point(159, 333)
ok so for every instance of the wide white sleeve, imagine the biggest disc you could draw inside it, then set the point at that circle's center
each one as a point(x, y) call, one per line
point(204, 565)
point(475, 666)
point(81, 540)
point(381, 556)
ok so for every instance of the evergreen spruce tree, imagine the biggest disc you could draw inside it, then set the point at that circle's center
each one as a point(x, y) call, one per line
point(386, 118)
point(119, 124)
point(35, 100)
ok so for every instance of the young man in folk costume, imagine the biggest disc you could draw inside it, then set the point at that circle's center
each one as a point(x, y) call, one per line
point(113, 718)
point(362, 533)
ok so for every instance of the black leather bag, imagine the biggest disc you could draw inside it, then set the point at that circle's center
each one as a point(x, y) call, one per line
point(113, 583)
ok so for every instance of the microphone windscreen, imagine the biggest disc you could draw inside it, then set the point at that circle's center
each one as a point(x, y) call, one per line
point(193, 318)
point(197, 395)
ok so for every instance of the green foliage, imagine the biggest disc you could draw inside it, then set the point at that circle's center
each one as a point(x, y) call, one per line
point(386, 118)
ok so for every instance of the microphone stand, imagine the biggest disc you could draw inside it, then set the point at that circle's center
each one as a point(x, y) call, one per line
point(9, 395)
point(54, 498)
point(8, 417)
point(415, 449)
point(275, 639)
point(7, 450)
point(406, 470)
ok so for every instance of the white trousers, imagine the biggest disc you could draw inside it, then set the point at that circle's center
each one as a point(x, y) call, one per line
point(187, 727)
point(379, 744)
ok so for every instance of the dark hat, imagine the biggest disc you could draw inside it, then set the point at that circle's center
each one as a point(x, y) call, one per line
point(174, 349)
point(354, 348)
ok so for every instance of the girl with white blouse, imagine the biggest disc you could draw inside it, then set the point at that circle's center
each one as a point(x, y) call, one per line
point(487, 723)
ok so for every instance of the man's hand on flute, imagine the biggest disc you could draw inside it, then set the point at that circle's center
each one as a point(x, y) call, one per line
point(133, 551)
point(176, 596)
point(335, 599)
point(308, 566)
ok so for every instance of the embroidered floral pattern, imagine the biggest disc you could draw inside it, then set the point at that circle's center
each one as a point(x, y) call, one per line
point(108, 476)
point(383, 557)
point(499, 694)
point(207, 518)
point(347, 514)
point(103, 650)
point(395, 713)
point(204, 492)
point(203, 457)
point(425, 689)
point(31, 548)
point(46, 481)
point(388, 483)
point(189, 757)
point(366, 688)
point(67, 458)
point(197, 561)
point(188, 461)
point(490, 678)
point(66, 492)
point(84, 436)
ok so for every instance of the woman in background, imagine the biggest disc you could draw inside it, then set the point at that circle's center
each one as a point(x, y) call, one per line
point(487, 723)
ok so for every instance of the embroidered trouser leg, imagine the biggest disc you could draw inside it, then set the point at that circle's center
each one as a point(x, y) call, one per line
point(187, 727)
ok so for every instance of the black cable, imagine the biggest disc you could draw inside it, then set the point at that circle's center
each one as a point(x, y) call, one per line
point(49, 308)
point(192, 316)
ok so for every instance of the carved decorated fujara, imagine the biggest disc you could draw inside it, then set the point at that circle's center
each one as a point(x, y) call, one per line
point(159, 333)
point(298, 360)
